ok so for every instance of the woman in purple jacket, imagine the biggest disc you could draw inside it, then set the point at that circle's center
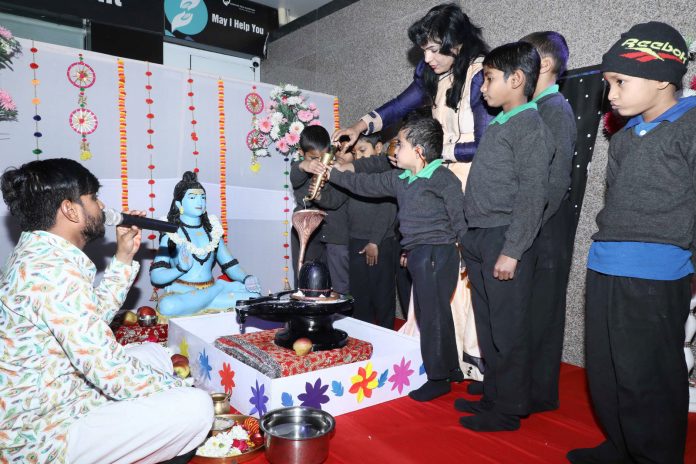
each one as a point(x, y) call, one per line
point(449, 80)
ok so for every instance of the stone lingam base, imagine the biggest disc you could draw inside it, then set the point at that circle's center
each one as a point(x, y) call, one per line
point(304, 317)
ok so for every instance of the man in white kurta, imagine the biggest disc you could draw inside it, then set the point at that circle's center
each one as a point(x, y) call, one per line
point(68, 391)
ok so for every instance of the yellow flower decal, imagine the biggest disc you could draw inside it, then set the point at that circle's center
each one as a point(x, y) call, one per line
point(183, 347)
point(364, 382)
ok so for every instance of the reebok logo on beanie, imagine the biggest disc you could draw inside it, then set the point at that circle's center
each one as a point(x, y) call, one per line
point(647, 50)
point(653, 50)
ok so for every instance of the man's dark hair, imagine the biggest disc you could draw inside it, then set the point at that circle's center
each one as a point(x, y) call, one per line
point(426, 132)
point(314, 138)
point(450, 27)
point(33, 192)
point(551, 44)
point(510, 57)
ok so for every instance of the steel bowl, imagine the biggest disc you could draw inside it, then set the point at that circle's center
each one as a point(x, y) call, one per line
point(297, 435)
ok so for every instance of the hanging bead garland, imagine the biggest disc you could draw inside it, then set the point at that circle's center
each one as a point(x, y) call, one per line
point(82, 120)
point(223, 157)
point(122, 133)
point(194, 134)
point(256, 140)
point(150, 149)
point(36, 100)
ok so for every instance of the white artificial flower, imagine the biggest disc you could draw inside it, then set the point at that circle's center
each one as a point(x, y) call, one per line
point(277, 118)
point(291, 88)
point(275, 132)
point(262, 152)
point(296, 127)
point(294, 101)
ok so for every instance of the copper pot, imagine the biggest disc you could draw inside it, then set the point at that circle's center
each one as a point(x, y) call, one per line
point(221, 403)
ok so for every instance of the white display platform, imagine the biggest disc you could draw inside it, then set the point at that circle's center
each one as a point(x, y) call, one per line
point(396, 367)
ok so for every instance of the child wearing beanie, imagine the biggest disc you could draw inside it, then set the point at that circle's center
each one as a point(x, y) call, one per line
point(640, 262)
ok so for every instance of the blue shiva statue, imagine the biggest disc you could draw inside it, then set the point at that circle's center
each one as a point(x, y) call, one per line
point(183, 267)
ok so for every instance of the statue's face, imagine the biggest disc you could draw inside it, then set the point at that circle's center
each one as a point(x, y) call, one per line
point(193, 203)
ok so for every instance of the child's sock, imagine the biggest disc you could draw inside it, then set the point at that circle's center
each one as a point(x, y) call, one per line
point(475, 388)
point(431, 390)
point(473, 407)
point(491, 422)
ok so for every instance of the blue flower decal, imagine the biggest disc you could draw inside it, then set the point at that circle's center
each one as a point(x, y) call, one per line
point(337, 388)
point(205, 364)
point(421, 370)
point(258, 399)
point(314, 395)
point(286, 399)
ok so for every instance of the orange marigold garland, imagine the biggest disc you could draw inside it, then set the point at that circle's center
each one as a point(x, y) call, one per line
point(150, 148)
point(122, 134)
point(36, 100)
point(337, 121)
point(194, 134)
point(223, 158)
point(82, 120)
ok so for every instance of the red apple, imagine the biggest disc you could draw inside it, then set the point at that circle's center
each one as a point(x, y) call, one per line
point(256, 439)
point(130, 318)
point(146, 311)
point(302, 346)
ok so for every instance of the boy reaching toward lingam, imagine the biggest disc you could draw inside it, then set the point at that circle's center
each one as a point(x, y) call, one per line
point(184, 263)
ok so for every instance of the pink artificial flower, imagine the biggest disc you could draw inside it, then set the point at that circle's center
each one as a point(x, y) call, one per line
point(312, 107)
point(315, 122)
point(5, 34)
point(282, 145)
point(6, 101)
point(315, 113)
point(265, 125)
point(305, 116)
point(292, 138)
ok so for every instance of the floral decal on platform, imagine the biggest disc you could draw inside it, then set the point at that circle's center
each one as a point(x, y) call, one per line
point(205, 364)
point(258, 400)
point(337, 388)
point(227, 377)
point(314, 395)
point(401, 374)
point(286, 399)
point(183, 347)
point(288, 113)
point(364, 382)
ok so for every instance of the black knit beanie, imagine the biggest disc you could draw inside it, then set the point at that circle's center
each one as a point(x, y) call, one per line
point(653, 50)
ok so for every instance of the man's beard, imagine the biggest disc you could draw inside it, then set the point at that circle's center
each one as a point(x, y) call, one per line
point(94, 228)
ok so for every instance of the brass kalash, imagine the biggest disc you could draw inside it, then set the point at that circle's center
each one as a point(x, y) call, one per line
point(311, 310)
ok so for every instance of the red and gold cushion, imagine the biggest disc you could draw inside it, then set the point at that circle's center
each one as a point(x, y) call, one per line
point(258, 350)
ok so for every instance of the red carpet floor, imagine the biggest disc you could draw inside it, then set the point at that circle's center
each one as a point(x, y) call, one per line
point(404, 431)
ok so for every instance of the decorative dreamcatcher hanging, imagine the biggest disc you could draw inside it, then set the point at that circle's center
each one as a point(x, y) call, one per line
point(256, 140)
point(82, 120)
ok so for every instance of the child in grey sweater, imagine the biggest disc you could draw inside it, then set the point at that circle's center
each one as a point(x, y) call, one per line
point(431, 222)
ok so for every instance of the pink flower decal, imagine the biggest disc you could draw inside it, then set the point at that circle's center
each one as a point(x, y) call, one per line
point(401, 374)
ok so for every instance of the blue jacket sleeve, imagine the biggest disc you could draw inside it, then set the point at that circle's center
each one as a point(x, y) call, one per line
point(482, 117)
point(394, 110)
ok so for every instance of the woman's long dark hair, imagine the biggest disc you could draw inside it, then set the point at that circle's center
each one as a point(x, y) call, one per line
point(449, 26)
